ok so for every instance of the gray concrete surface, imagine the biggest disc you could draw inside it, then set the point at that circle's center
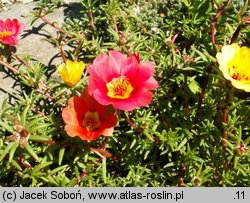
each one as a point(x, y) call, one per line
point(32, 42)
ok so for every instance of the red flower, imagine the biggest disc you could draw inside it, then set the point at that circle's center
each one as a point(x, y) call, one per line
point(86, 118)
point(123, 82)
point(9, 30)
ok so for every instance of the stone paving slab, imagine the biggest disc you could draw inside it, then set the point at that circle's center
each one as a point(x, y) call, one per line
point(32, 40)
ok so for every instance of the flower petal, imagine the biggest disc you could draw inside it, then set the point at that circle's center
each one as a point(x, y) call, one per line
point(226, 55)
point(234, 64)
point(13, 28)
point(145, 71)
point(20, 28)
point(95, 82)
point(102, 97)
point(71, 72)
point(239, 85)
point(130, 67)
point(69, 116)
point(75, 113)
point(91, 135)
point(73, 131)
point(116, 60)
point(100, 68)
point(112, 70)
point(151, 84)
point(144, 97)
point(126, 105)
point(108, 131)
point(10, 40)
point(62, 71)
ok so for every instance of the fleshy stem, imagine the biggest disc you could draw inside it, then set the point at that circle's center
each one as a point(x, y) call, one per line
point(225, 114)
point(11, 68)
point(182, 174)
point(229, 165)
point(16, 57)
point(220, 11)
point(69, 144)
point(17, 72)
point(79, 46)
point(236, 33)
point(43, 90)
point(186, 97)
point(101, 151)
point(44, 19)
point(62, 54)
point(203, 90)
point(216, 171)
point(24, 164)
point(91, 20)
point(115, 25)
point(128, 120)
point(78, 180)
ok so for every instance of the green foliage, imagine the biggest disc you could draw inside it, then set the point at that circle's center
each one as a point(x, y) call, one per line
point(178, 140)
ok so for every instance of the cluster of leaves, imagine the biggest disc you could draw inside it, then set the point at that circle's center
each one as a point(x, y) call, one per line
point(195, 131)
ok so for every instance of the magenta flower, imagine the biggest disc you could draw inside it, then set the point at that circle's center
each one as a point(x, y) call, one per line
point(9, 31)
point(121, 81)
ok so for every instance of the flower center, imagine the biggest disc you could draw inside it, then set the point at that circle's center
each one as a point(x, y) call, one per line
point(239, 67)
point(119, 88)
point(238, 75)
point(4, 34)
point(91, 120)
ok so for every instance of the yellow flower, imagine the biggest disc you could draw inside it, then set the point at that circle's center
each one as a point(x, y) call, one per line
point(71, 72)
point(234, 63)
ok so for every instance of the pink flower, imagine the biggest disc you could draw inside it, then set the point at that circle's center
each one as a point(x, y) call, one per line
point(9, 31)
point(87, 119)
point(121, 81)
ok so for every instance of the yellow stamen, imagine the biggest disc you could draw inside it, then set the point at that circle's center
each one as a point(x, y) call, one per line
point(4, 34)
point(119, 88)
point(91, 120)
point(239, 67)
